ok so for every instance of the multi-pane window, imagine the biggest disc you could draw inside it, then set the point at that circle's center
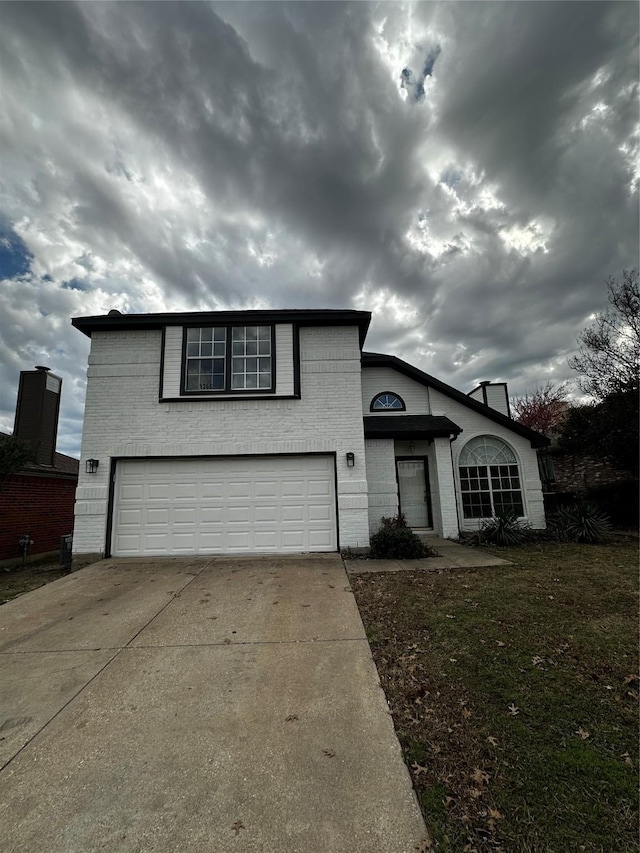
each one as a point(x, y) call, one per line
point(206, 359)
point(387, 401)
point(489, 479)
point(236, 358)
point(251, 357)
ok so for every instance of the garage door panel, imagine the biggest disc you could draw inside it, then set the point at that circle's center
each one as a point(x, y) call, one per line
point(214, 505)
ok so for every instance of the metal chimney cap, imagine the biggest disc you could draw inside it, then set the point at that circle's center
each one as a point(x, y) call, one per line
point(114, 313)
point(42, 367)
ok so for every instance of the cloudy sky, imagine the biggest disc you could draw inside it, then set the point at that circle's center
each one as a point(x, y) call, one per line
point(465, 171)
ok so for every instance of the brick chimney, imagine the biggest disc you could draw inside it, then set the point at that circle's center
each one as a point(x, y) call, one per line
point(37, 412)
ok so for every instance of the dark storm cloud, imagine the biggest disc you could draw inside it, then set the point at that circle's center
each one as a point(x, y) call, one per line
point(187, 155)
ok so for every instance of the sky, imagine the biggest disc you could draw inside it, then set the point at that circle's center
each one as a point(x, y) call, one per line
point(466, 171)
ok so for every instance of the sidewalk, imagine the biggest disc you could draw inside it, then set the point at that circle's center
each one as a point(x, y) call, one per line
point(451, 555)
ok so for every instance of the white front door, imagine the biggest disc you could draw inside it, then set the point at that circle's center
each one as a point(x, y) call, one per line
point(413, 490)
point(268, 504)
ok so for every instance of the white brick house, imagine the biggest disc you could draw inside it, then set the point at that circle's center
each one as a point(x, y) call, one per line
point(271, 431)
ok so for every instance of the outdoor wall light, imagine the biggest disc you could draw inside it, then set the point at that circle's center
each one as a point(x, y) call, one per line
point(351, 460)
point(91, 466)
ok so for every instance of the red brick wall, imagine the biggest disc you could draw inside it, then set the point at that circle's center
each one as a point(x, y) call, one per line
point(40, 506)
point(578, 473)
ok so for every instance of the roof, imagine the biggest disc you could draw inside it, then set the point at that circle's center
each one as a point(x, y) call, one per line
point(376, 359)
point(409, 426)
point(115, 321)
point(63, 465)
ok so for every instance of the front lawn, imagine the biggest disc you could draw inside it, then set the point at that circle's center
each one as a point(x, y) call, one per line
point(514, 693)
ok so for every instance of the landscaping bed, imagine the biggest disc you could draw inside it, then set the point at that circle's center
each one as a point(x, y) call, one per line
point(514, 693)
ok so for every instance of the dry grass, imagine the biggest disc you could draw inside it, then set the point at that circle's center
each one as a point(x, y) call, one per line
point(514, 694)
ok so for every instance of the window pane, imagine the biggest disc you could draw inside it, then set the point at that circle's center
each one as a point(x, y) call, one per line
point(219, 334)
point(238, 365)
point(206, 334)
point(264, 347)
point(193, 335)
point(237, 333)
point(265, 380)
point(219, 348)
point(193, 348)
point(264, 333)
point(206, 348)
point(252, 347)
point(251, 333)
point(251, 365)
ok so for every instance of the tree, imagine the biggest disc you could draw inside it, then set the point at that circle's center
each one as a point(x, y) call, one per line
point(15, 454)
point(609, 350)
point(543, 409)
point(607, 430)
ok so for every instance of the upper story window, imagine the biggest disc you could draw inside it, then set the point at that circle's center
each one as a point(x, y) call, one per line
point(387, 401)
point(489, 478)
point(229, 358)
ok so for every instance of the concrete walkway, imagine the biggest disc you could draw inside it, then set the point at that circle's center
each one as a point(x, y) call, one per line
point(197, 705)
point(451, 555)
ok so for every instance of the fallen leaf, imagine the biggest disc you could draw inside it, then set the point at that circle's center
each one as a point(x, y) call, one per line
point(418, 768)
point(466, 713)
point(513, 710)
point(495, 814)
point(425, 845)
point(537, 660)
point(237, 826)
point(227, 641)
point(291, 718)
point(626, 757)
point(583, 734)
point(329, 753)
point(492, 740)
point(629, 679)
point(449, 802)
point(450, 616)
point(500, 643)
point(480, 777)
point(475, 793)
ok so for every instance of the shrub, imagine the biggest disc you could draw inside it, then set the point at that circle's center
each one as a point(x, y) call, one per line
point(502, 529)
point(395, 541)
point(618, 501)
point(581, 522)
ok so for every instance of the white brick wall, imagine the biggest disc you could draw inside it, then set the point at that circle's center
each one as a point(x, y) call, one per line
point(123, 417)
point(381, 476)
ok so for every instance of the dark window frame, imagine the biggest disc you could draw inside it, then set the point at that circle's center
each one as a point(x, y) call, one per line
point(403, 407)
point(227, 390)
point(492, 483)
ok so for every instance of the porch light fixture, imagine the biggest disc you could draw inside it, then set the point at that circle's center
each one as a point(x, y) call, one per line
point(351, 460)
point(91, 466)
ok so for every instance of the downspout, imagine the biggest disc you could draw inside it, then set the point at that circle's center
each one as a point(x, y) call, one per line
point(453, 473)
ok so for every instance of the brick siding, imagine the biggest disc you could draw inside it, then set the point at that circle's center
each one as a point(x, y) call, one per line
point(40, 506)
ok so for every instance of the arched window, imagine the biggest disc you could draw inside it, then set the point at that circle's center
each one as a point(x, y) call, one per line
point(489, 478)
point(387, 401)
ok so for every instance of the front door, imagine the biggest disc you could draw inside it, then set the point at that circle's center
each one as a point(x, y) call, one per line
point(413, 491)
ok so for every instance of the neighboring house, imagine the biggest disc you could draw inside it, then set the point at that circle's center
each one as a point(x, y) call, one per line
point(37, 502)
point(271, 431)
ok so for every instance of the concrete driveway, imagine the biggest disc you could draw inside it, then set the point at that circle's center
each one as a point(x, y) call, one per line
point(197, 705)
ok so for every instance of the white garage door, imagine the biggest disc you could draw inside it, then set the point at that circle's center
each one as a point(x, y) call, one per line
point(208, 506)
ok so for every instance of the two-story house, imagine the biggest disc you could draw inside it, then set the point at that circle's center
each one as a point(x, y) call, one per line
point(271, 431)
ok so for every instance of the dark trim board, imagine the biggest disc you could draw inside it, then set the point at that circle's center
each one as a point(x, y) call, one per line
point(302, 316)
point(115, 459)
point(226, 399)
point(376, 359)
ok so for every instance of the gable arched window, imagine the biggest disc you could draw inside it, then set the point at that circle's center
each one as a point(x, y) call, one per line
point(387, 401)
point(489, 478)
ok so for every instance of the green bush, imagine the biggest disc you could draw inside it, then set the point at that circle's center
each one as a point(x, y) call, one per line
point(502, 529)
point(395, 541)
point(581, 522)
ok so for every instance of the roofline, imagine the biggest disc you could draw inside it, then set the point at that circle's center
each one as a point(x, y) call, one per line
point(381, 360)
point(301, 316)
point(450, 430)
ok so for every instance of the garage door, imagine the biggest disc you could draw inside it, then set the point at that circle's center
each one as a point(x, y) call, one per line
point(234, 505)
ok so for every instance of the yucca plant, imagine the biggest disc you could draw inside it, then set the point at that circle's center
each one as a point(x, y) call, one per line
point(581, 522)
point(504, 529)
